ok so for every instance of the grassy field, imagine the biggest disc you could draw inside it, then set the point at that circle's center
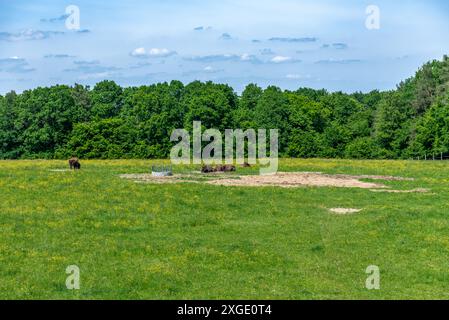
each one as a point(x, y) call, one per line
point(198, 241)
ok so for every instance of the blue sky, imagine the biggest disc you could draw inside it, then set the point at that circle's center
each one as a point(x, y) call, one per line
point(288, 43)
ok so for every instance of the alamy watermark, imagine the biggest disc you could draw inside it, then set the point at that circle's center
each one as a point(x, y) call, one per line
point(72, 282)
point(373, 280)
point(256, 144)
point(372, 21)
point(72, 22)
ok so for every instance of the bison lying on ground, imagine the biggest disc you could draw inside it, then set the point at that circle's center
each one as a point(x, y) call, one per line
point(217, 168)
point(225, 168)
point(74, 163)
point(207, 169)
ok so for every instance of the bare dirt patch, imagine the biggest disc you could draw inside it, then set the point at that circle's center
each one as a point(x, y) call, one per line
point(344, 211)
point(298, 179)
point(281, 179)
point(418, 190)
point(375, 177)
point(148, 178)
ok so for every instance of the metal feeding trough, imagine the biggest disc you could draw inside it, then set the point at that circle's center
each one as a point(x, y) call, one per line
point(161, 171)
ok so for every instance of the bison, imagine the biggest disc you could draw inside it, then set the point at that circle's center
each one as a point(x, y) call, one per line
point(217, 168)
point(74, 163)
point(207, 169)
point(227, 168)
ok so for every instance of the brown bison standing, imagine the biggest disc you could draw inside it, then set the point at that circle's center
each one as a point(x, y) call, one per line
point(74, 163)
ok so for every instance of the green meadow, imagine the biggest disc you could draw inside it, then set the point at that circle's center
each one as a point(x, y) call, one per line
point(198, 241)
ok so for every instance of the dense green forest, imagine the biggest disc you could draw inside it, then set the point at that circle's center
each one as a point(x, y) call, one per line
point(110, 122)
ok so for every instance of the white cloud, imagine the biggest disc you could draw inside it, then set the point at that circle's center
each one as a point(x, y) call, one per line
point(334, 61)
point(210, 69)
point(153, 52)
point(283, 59)
point(139, 52)
point(246, 57)
point(156, 52)
point(225, 57)
point(280, 59)
point(31, 34)
point(28, 34)
point(99, 75)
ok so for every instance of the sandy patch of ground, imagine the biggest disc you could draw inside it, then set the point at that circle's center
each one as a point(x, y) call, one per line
point(148, 178)
point(298, 179)
point(344, 211)
point(374, 177)
point(281, 179)
point(418, 190)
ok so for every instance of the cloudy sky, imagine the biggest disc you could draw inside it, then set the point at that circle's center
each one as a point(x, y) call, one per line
point(288, 43)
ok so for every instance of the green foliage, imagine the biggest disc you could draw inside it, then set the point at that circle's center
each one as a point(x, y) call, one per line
point(209, 103)
point(271, 112)
point(106, 99)
point(136, 122)
point(103, 139)
point(362, 148)
point(432, 132)
point(9, 144)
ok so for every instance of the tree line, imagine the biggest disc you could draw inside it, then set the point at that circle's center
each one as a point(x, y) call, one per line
point(111, 122)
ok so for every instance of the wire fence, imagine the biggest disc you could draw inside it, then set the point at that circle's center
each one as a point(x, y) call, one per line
point(432, 157)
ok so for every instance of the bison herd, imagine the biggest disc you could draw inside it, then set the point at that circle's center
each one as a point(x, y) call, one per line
point(217, 168)
point(221, 168)
point(75, 164)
